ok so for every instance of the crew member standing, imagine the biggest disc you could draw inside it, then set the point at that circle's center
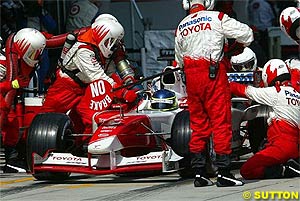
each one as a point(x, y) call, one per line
point(199, 42)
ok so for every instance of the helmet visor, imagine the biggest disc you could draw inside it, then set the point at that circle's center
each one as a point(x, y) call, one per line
point(32, 57)
point(35, 54)
point(162, 103)
point(244, 66)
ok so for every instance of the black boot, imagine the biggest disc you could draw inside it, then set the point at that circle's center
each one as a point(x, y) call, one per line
point(291, 169)
point(288, 170)
point(12, 163)
point(198, 165)
point(225, 178)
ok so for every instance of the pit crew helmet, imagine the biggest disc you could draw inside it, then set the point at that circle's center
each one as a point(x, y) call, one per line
point(275, 70)
point(106, 16)
point(107, 33)
point(208, 4)
point(164, 100)
point(246, 61)
point(289, 21)
point(30, 44)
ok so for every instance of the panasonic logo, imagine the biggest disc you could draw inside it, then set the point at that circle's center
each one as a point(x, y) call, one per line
point(195, 21)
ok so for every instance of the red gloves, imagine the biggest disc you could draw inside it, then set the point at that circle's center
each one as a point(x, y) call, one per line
point(126, 94)
point(238, 89)
point(234, 49)
point(129, 95)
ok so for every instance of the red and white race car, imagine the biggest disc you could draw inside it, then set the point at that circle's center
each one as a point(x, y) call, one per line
point(145, 136)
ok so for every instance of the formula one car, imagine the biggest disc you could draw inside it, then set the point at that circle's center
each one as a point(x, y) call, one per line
point(151, 134)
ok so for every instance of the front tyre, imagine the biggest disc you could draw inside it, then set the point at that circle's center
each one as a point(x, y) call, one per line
point(48, 131)
point(181, 133)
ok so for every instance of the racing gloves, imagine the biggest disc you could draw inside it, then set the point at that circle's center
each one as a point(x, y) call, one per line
point(126, 94)
point(235, 49)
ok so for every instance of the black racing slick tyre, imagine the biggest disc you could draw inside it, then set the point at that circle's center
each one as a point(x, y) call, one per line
point(48, 131)
point(181, 133)
point(257, 129)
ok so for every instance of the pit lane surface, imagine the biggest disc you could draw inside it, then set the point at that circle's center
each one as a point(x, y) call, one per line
point(153, 187)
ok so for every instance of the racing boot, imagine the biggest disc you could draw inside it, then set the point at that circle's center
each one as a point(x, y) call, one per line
point(224, 177)
point(198, 165)
point(13, 164)
point(291, 169)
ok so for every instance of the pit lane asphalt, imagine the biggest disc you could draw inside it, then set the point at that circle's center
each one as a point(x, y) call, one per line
point(150, 187)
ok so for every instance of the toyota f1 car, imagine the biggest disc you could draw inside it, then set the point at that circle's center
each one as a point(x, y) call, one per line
point(150, 135)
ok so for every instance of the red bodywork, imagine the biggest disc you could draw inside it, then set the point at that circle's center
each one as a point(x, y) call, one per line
point(133, 130)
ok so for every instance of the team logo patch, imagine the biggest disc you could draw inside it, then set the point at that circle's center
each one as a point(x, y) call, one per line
point(74, 10)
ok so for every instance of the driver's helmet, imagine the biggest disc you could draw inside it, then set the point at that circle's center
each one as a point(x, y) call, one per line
point(164, 100)
point(246, 61)
point(208, 4)
point(289, 21)
point(30, 44)
point(275, 70)
point(107, 33)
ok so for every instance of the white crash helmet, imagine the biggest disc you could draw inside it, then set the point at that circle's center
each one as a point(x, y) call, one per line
point(275, 70)
point(208, 4)
point(30, 44)
point(246, 61)
point(106, 16)
point(290, 22)
point(107, 33)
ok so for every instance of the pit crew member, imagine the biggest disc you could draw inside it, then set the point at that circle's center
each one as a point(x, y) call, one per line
point(199, 42)
point(276, 159)
point(22, 54)
point(83, 64)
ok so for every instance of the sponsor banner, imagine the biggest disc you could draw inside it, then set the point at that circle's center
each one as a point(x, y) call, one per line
point(244, 77)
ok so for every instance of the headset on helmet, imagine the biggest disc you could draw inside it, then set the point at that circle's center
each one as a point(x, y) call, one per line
point(107, 33)
point(246, 61)
point(208, 4)
point(290, 22)
point(30, 44)
point(275, 70)
point(164, 100)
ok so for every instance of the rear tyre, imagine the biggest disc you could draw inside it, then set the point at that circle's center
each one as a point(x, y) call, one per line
point(48, 132)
